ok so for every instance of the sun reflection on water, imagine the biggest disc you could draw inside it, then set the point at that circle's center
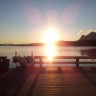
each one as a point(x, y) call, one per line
point(50, 51)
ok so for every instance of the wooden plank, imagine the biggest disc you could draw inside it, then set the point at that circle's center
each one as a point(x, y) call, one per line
point(67, 57)
point(87, 62)
point(4, 74)
point(63, 85)
point(55, 62)
point(87, 57)
point(27, 85)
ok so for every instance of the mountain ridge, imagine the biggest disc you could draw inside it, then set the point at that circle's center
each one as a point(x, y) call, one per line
point(90, 36)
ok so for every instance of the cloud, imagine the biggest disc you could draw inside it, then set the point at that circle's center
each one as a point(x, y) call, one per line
point(80, 32)
point(86, 32)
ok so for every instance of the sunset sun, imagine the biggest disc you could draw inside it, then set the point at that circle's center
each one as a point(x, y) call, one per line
point(51, 36)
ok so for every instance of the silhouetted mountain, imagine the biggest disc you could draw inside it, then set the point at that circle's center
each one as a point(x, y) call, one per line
point(90, 36)
point(87, 40)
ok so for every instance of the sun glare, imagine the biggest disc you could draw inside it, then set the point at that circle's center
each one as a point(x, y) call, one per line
point(50, 38)
point(50, 51)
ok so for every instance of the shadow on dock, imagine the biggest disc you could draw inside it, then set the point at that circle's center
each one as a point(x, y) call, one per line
point(46, 81)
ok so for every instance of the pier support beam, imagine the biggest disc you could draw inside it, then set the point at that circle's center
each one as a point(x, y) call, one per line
point(77, 62)
point(40, 62)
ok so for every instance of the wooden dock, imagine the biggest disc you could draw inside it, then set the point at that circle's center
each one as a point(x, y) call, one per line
point(49, 81)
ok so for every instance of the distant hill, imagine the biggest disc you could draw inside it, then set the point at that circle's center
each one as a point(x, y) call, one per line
point(33, 44)
point(90, 36)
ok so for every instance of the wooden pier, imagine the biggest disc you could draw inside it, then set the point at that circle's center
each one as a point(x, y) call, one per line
point(50, 81)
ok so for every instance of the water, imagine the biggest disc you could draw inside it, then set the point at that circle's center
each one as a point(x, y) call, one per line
point(9, 51)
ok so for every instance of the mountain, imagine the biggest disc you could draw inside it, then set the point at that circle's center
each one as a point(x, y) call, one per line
point(90, 36)
point(87, 40)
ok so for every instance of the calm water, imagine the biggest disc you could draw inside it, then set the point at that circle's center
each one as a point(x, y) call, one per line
point(9, 51)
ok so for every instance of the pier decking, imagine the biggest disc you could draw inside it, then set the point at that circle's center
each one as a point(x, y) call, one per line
point(49, 81)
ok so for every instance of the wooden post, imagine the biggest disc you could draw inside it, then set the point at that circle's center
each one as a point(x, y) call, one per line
point(40, 62)
point(77, 62)
point(33, 60)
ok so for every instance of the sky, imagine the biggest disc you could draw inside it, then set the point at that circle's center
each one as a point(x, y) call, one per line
point(26, 21)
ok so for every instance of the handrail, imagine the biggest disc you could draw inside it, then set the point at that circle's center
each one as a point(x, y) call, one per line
point(76, 58)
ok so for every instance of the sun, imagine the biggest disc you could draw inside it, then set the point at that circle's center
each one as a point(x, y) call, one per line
point(51, 35)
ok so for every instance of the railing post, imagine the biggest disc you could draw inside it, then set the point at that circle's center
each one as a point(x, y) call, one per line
point(77, 62)
point(40, 62)
point(33, 64)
